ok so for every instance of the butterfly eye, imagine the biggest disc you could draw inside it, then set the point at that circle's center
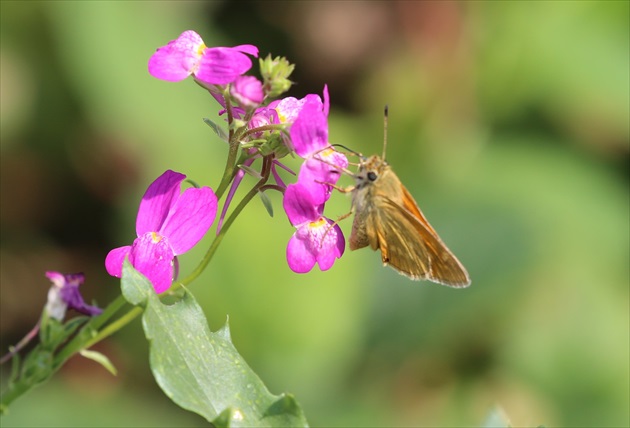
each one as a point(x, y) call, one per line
point(371, 176)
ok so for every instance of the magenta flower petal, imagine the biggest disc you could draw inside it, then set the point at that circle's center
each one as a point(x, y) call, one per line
point(331, 244)
point(315, 242)
point(322, 171)
point(114, 260)
point(299, 204)
point(219, 66)
point(179, 59)
point(299, 257)
point(190, 218)
point(248, 91)
point(248, 49)
point(157, 202)
point(152, 256)
point(288, 108)
point(309, 132)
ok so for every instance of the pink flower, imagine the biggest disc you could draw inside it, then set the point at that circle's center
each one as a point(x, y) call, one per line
point(189, 55)
point(168, 224)
point(289, 108)
point(316, 240)
point(322, 165)
point(248, 91)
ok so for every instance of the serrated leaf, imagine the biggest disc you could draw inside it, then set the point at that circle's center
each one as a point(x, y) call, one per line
point(217, 129)
point(266, 202)
point(99, 358)
point(200, 370)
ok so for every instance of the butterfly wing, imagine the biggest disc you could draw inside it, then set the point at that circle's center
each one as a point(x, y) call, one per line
point(410, 245)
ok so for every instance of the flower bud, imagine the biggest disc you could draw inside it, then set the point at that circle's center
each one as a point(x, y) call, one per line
point(275, 73)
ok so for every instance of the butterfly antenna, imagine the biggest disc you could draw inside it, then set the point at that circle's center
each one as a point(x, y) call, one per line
point(385, 116)
point(347, 149)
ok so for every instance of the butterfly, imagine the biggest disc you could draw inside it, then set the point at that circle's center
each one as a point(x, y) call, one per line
point(386, 217)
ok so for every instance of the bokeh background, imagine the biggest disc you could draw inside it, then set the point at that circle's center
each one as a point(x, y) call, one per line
point(508, 123)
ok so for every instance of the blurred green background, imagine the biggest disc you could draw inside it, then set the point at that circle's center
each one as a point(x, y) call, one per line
point(508, 123)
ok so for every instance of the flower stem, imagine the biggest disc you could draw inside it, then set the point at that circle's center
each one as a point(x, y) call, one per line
point(21, 344)
point(230, 164)
point(266, 169)
point(90, 334)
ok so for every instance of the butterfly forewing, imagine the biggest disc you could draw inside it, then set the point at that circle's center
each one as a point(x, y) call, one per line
point(414, 250)
point(388, 218)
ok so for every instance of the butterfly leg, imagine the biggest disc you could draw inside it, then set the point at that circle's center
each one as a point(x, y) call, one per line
point(335, 223)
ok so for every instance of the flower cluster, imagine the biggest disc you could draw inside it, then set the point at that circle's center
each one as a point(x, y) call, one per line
point(317, 239)
point(169, 224)
point(262, 128)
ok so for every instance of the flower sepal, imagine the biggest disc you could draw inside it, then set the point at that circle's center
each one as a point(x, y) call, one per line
point(51, 330)
point(217, 130)
point(274, 144)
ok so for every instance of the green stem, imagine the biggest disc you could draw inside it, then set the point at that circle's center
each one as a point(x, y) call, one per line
point(11, 394)
point(115, 326)
point(230, 164)
point(266, 170)
point(88, 336)
point(97, 329)
point(90, 332)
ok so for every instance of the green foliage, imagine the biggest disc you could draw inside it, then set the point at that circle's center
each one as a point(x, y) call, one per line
point(100, 359)
point(275, 73)
point(510, 130)
point(267, 203)
point(200, 370)
point(40, 363)
point(217, 129)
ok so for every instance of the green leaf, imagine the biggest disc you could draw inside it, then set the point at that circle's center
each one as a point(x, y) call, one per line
point(251, 171)
point(200, 370)
point(217, 129)
point(99, 358)
point(266, 202)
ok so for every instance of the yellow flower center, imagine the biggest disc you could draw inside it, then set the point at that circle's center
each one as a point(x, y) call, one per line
point(318, 223)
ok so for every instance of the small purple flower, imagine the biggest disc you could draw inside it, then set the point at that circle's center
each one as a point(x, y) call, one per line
point(189, 55)
point(168, 224)
point(65, 294)
point(248, 91)
point(317, 239)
